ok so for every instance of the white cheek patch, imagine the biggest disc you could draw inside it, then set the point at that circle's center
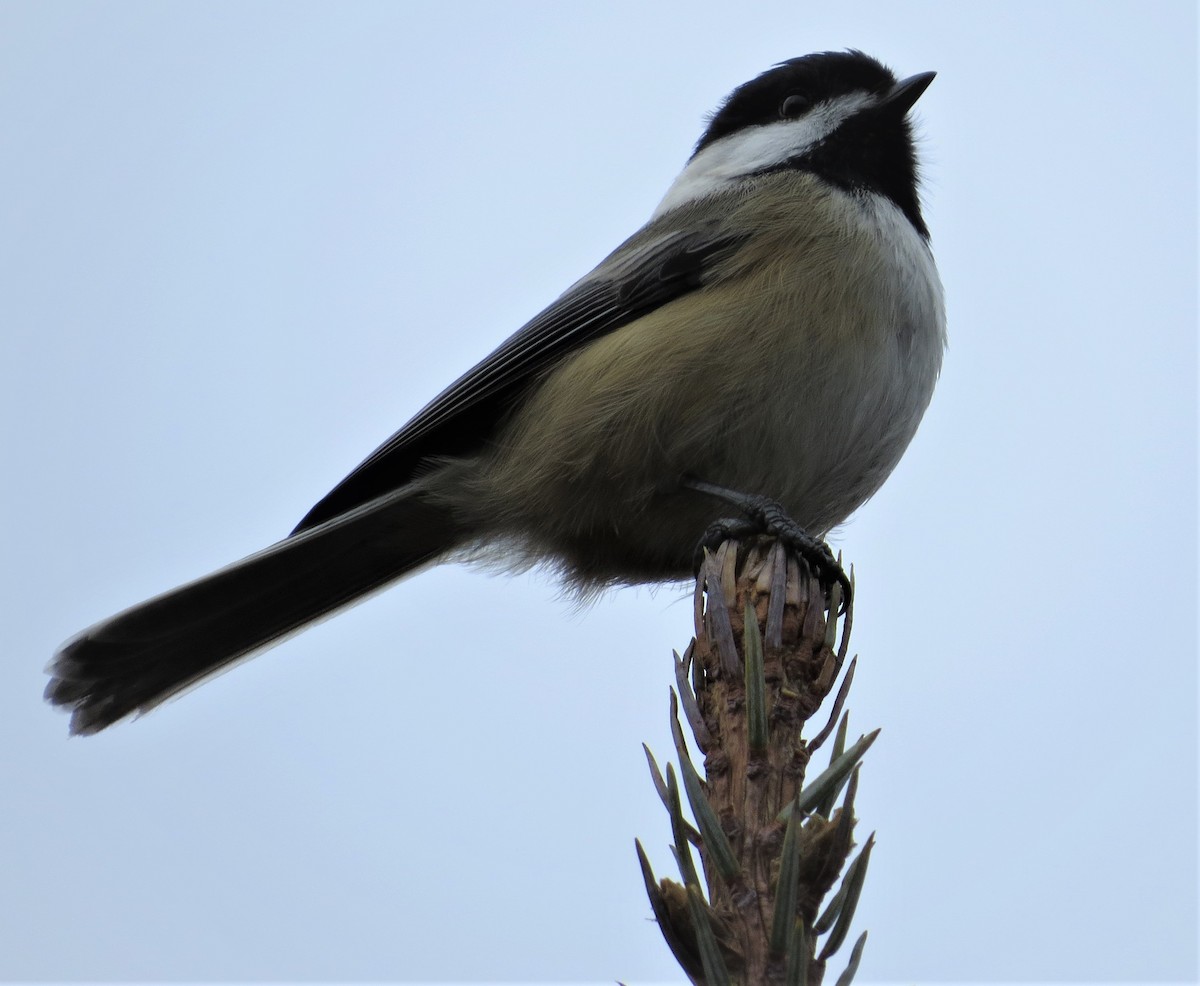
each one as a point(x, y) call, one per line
point(757, 149)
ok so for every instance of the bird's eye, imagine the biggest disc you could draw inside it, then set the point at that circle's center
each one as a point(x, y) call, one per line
point(794, 106)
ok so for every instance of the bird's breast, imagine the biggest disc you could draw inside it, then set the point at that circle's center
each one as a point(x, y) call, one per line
point(799, 372)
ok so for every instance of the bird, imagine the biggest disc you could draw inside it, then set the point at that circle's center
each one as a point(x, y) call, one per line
point(771, 335)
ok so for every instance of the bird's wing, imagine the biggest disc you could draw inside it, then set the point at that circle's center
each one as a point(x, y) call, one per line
point(634, 281)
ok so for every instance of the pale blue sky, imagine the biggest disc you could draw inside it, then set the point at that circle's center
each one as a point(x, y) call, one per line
point(242, 243)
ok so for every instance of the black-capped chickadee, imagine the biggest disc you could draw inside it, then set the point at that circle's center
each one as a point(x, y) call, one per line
point(775, 328)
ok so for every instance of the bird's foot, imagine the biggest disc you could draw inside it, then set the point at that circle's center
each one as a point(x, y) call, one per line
point(764, 516)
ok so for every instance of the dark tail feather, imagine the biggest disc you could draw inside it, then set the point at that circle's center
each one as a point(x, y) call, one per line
point(138, 658)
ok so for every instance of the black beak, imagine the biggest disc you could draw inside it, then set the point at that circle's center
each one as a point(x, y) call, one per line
point(906, 92)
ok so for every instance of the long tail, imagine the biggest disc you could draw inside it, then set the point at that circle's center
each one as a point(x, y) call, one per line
point(141, 657)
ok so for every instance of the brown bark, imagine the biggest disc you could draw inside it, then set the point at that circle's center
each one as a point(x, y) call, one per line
point(753, 774)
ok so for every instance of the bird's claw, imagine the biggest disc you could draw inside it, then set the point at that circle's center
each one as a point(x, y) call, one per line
point(767, 517)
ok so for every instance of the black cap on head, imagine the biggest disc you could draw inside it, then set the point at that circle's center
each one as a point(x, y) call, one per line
point(871, 150)
point(812, 78)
